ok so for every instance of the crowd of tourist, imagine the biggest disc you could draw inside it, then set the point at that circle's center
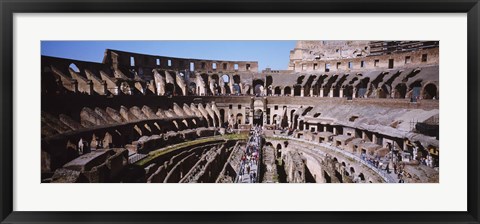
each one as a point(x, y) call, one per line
point(249, 161)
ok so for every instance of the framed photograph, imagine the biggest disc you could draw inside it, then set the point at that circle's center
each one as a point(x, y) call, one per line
point(246, 112)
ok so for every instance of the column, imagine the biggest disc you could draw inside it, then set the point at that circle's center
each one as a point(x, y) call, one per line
point(341, 92)
point(90, 87)
point(321, 92)
point(265, 115)
point(74, 83)
point(302, 92)
point(104, 87)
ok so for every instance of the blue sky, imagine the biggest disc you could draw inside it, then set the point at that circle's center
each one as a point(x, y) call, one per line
point(273, 54)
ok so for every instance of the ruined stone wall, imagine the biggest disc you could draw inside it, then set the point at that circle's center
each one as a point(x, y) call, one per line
point(313, 56)
point(148, 62)
point(324, 165)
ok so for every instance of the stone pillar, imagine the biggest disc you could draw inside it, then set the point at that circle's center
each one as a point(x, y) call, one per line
point(324, 128)
point(331, 92)
point(75, 86)
point(119, 90)
point(302, 92)
point(364, 135)
point(282, 92)
point(354, 94)
point(341, 92)
point(184, 90)
point(334, 130)
point(374, 138)
point(90, 87)
point(265, 115)
point(311, 92)
point(321, 92)
point(104, 87)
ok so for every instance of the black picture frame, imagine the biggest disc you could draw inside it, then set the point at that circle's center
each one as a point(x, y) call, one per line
point(9, 7)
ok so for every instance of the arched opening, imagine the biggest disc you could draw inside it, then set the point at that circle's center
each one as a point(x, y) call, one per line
point(300, 80)
point(415, 89)
point(348, 91)
point(205, 81)
point(192, 88)
point(308, 87)
point(239, 118)
point(258, 117)
point(338, 176)
point(295, 121)
point(287, 91)
point(226, 84)
point(297, 90)
point(327, 177)
point(274, 119)
point(284, 121)
point(277, 91)
point(258, 85)
point(430, 91)
point(361, 176)
point(268, 84)
point(338, 85)
point(169, 89)
point(222, 116)
point(74, 68)
point(329, 85)
point(258, 90)
point(279, 150)
point(352, 170)
point(362, 88)
point(384, 92)
point(216, 83)
point(400, 91)
point(291, 115)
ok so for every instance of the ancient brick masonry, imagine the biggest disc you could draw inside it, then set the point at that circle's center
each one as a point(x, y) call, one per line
point(367, 98)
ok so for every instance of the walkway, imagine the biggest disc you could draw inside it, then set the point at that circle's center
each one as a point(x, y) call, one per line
point(249, 169)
